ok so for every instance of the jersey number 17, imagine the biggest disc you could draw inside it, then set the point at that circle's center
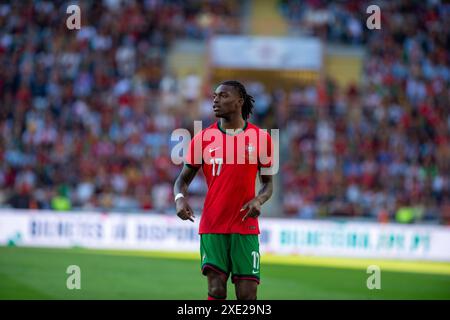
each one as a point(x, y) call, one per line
point(216, 165)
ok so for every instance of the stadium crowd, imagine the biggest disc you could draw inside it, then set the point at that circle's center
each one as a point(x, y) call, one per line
point(86, 117)
point(381, 149)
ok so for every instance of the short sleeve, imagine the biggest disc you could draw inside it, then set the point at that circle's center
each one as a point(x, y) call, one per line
point(265, 150)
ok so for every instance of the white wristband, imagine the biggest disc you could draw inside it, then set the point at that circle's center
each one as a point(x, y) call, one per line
point(178, 196)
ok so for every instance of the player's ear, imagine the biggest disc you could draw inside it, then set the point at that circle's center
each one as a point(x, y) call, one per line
point(241, 102)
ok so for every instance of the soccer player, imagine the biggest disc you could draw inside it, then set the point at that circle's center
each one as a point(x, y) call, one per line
point(230, 152)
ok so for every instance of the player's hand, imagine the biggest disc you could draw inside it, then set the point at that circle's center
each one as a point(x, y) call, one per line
point(254, 208)
point(184, 211)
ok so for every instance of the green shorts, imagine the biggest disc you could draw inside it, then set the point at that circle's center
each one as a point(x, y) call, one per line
point(237, 254)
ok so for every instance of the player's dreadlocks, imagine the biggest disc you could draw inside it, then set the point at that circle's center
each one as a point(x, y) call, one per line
point(247, 107)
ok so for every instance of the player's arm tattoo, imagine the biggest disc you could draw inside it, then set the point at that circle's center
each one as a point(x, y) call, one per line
point(183, 181)
point(265, 192)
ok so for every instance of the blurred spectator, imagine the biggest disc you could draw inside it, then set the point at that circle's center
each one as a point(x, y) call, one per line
point(61, 201)
point(23, 199)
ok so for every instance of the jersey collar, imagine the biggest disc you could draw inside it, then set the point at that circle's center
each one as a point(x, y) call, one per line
point(236, 132)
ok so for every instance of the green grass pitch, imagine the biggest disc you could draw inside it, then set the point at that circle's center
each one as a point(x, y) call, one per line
point(38, 273)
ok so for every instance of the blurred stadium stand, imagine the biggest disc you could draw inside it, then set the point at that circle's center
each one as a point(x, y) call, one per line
point(86, 116)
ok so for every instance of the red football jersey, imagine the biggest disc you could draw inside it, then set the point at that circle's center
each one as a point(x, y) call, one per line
point(230, 163)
